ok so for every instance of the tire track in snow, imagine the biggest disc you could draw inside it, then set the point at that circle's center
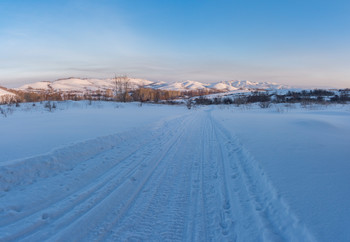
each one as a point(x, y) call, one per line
point(197, 220)
point(215, 191)
point(97, 221)
point(80, 194)
point(226, 221)
point(62, 210)
point(159, 211)
point(273, 219)
point(88, 162)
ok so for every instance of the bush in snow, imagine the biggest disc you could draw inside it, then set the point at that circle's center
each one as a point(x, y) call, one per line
point(50, 106)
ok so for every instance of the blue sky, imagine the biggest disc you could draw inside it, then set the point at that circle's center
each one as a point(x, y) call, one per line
point(302, 43)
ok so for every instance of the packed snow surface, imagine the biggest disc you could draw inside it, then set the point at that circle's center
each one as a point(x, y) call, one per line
point(165, 173)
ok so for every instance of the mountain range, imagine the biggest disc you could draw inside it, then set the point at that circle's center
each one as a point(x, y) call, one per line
point(86, 85)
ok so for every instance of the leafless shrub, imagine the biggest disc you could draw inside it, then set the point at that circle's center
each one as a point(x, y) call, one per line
point(2, 111)
point(48, 105)
point(189, 103)
point(6, 111)
point(265, 104)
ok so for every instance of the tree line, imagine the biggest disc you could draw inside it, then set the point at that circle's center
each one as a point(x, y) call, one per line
point(317, 96)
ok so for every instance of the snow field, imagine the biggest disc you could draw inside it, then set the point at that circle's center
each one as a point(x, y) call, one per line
point(206, 174)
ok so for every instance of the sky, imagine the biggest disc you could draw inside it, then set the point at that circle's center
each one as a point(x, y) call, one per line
point(294, 42)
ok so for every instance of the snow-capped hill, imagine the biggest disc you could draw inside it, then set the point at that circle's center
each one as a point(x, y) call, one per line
point(253, 85)
point(194, 85)
point(185, 86)
point(136, 83)
point(245, 85)
point(43, 85)
point(158, 85)
point(75, 84)
point(223, 86)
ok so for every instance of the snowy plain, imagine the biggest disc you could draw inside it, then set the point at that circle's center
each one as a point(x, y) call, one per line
point(30, 131)
point(117, 172)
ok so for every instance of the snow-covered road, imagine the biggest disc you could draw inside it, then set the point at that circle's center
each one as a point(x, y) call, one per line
point(184, 179)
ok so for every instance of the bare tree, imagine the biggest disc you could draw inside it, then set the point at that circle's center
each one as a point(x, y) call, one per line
point(121, 88)
point(126, 89)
